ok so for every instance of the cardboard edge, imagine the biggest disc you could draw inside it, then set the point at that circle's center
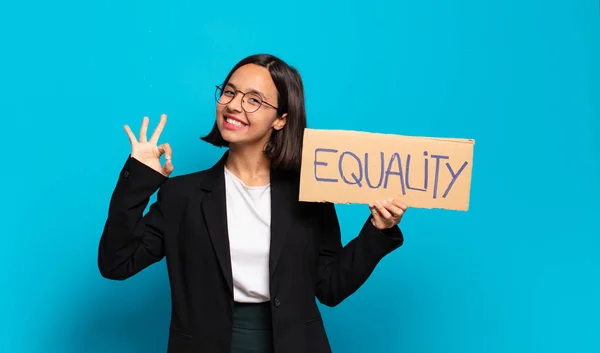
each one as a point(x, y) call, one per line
point(340, 131)
point(315, 200)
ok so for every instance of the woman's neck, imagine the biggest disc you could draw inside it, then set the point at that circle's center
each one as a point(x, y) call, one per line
point(250, 165)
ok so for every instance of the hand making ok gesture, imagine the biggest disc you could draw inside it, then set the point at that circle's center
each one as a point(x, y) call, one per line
point(148, 152)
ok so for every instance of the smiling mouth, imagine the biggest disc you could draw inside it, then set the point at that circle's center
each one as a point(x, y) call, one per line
point(234, 122)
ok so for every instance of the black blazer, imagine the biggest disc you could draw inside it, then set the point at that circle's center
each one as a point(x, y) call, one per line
point(187, 225)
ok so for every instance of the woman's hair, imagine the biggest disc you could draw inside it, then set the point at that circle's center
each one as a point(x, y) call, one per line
point(284, 148)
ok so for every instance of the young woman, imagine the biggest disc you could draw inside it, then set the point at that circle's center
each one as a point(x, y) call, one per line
point(245, 258)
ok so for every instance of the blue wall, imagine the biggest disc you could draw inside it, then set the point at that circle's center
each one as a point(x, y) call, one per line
point(519, 272)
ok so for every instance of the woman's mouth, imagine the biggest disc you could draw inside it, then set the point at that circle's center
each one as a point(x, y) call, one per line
point(232, 123)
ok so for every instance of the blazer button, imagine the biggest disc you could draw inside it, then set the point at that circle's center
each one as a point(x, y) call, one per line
point(126, 174)
point(277, 302)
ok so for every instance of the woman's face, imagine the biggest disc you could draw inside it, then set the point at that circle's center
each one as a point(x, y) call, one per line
point(239, 121)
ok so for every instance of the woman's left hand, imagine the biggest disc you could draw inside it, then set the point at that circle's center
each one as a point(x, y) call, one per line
point(387, 214)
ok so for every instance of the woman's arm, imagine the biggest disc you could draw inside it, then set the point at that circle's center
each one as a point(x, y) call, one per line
point(342, 270)
point(132, 241)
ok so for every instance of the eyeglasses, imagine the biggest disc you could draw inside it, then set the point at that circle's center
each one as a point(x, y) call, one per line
point(251, 101)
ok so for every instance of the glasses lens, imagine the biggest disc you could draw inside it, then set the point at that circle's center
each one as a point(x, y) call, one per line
point(224, 96)
point(251, 102)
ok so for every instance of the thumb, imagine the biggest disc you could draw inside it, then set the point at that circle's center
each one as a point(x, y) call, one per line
point(376, 216)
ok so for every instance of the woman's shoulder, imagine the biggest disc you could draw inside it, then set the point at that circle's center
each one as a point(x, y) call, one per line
point(183, 185)
point(184, 181)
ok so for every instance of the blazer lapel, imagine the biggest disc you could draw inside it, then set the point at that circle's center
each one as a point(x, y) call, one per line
point(283, 200)
point(214, 211)
point(284, 197)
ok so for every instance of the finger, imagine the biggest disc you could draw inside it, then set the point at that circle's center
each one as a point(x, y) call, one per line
point(400, 204)
point(382, 210)
point(159, 128)
point(165, 149)
point(393, 209)
point(130, 134)
point(168, 167)
point(376, 215)
point(144, 129)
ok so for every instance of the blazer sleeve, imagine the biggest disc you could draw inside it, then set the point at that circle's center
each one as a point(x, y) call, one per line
point(131, 241)
point(343, 269)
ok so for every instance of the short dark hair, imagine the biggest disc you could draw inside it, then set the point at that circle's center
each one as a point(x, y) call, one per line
point(284, 148)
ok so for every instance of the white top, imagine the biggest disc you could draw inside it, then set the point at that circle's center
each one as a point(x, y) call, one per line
point(249, 227)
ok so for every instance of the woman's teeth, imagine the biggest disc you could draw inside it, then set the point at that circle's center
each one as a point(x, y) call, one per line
point(234, 122)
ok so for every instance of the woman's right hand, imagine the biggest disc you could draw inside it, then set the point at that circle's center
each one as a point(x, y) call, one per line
point(147, 151)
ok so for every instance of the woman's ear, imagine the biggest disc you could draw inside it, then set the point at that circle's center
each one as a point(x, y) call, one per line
point(280, 122)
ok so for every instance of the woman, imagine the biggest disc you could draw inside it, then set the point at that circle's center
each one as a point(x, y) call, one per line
point(245, 258)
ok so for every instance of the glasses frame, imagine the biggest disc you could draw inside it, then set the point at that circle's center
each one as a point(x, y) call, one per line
point(219, 93)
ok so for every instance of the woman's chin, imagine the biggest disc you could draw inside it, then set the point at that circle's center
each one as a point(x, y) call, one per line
point(239, 138)
point(231, 136)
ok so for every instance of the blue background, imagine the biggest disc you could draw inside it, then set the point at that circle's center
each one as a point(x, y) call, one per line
point(519, 272)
